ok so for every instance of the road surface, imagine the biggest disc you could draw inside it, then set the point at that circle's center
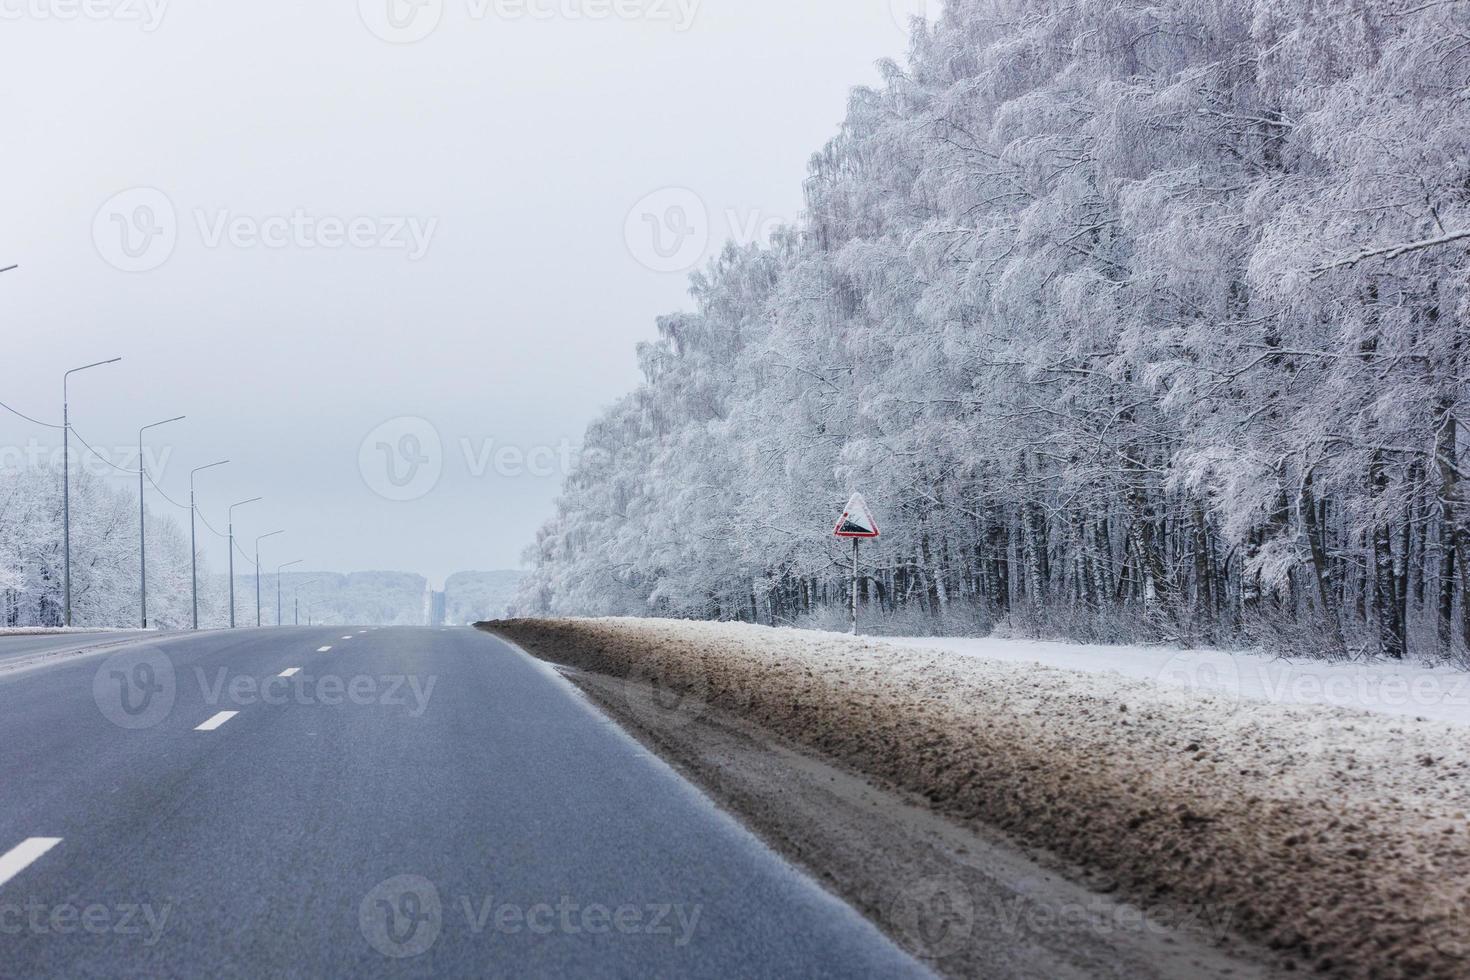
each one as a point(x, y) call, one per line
point(322, 802)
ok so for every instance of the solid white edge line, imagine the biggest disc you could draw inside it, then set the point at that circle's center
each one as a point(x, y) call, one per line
point(23, 855)
point(289, 672)
point(216, 721)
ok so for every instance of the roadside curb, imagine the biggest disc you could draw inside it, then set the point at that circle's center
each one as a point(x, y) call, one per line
point(53, 657)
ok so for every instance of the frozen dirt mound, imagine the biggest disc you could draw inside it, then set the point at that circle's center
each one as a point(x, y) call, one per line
point(1337, 838)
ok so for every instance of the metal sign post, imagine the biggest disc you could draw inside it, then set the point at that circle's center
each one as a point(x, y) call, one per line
point(856, 523)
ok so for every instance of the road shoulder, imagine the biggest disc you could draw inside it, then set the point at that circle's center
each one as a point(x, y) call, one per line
point(964, 901)
point(85, 645)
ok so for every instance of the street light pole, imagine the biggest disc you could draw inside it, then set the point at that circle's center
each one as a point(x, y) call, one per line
point(280, 569)
point(231, 516)
point(66, 483)
point(257, 572)
point(193, 547)
point(296, 602)
point(10, 268)
point(143, 520)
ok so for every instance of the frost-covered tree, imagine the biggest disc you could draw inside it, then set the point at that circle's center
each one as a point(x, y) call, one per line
point(1133, 320)
point(105, 567)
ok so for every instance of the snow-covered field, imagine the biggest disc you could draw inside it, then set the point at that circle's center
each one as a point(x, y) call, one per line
point(1408, 690)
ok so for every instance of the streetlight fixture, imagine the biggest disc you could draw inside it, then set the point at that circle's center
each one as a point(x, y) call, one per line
point(66, 481)
point(279, 569)
point(143, 519)
point(194, 548)
point(257, 572)
point(231, 515)
point(296, 602)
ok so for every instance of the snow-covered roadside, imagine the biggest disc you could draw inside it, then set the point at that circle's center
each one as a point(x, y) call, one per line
point(1406, 690)
point(1336, 837)
point(64, 630)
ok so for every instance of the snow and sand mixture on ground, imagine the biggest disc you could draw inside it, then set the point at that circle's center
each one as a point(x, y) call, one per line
point(1338, 838)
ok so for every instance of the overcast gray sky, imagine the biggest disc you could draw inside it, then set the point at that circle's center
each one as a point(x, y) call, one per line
point(334, 234)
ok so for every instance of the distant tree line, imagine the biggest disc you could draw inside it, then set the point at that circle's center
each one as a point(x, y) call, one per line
point(106, 571)
point(105, 563)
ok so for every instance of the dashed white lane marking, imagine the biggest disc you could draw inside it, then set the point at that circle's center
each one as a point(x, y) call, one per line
point(216, 721)
point(346, 637)
point(361, 632)
point(22, 855)
point(289, 672)
point(322, 649)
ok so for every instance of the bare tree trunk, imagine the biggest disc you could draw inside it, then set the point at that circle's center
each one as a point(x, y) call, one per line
point(1322, 568)
point(1382, 575)
point(1446, 445)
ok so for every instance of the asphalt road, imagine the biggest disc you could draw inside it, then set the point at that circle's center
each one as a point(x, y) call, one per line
point(409, 802)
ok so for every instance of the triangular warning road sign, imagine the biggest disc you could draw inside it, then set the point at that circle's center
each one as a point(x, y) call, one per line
point(857, 520)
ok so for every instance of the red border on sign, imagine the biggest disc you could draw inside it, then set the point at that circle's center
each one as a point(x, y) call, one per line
point(839, 533)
